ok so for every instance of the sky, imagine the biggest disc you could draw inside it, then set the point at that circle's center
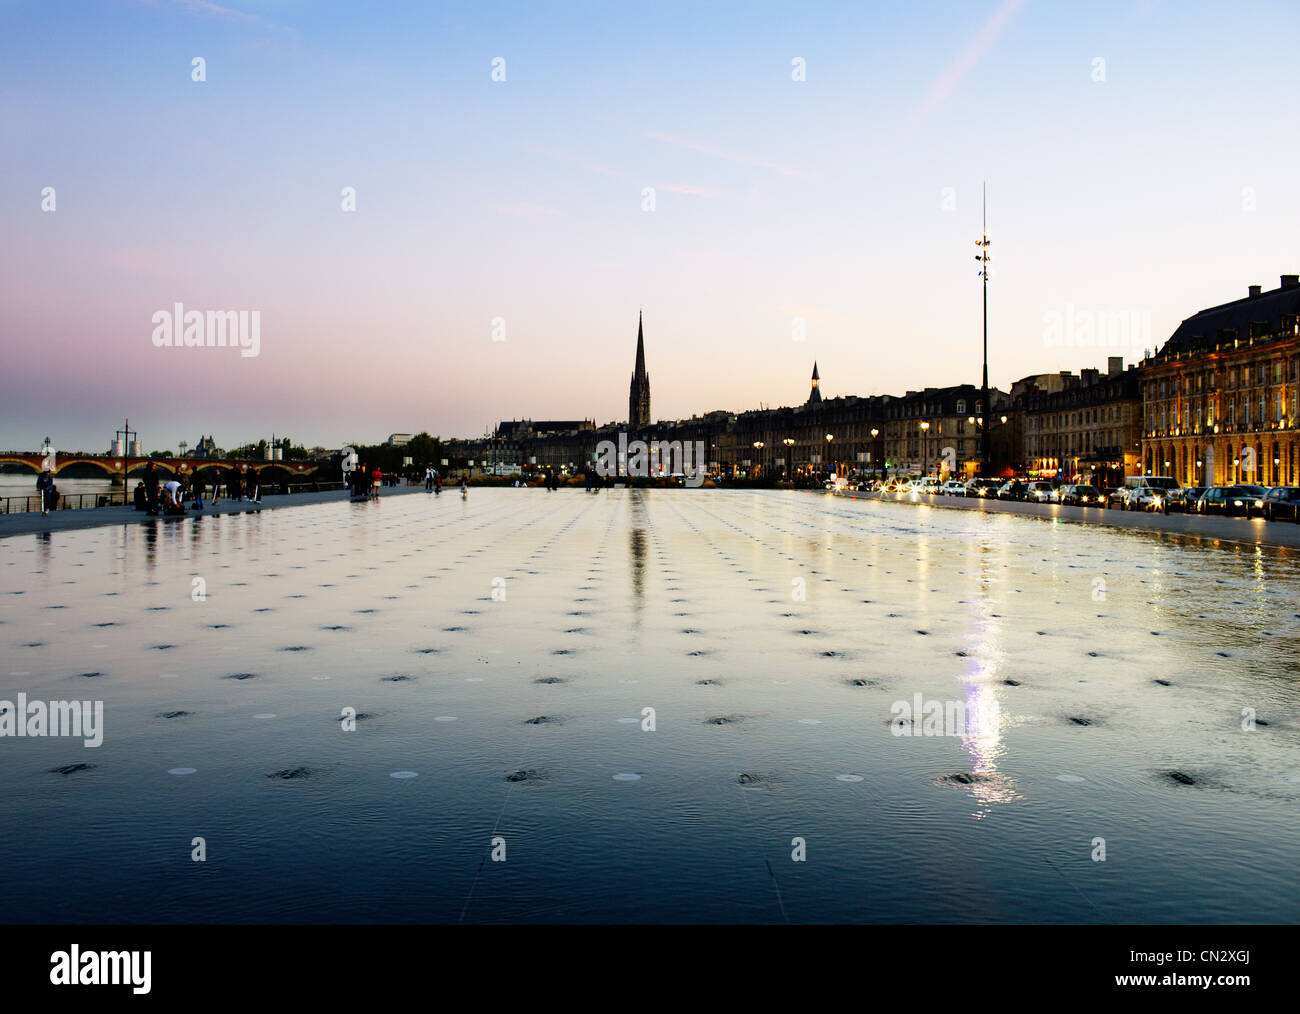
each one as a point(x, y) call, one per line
point(772, 184)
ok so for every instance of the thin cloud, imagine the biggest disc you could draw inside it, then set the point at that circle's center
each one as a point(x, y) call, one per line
point(730, 156)
point(525, 209)
point(691, 189)
point(970, 57)
point(569, 158)
point(205, 7)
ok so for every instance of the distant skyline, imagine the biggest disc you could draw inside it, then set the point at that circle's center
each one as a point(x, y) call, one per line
point(1138, 159)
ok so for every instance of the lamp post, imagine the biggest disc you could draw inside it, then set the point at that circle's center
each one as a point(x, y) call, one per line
point(829, 438)
point(925, 432)
point(758, 446)
point(789, 464)
point(983, 258)
point(880, 464)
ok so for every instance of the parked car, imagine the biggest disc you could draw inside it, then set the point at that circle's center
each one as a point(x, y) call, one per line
point(1190, 494)
point(1143, 498)
point(1282, 502)
point(1151, 481)
point(1014, 489)
point(1081, 496)
point(1246, 501)
point(953, 488)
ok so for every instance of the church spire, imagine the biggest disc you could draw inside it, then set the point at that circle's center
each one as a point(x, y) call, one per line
point(638, 399)
point(640, 349)
point(816, 395)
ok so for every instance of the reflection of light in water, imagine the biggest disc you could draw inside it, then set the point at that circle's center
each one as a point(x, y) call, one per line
point(982, 736)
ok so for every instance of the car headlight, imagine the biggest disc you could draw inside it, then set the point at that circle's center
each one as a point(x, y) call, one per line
point(1236, 503)
point(1259, 503)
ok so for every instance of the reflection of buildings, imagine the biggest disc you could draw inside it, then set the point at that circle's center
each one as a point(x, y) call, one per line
point(1219, 400)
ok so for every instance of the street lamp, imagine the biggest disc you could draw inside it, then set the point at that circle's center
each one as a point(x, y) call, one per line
point(758, 446)
point(925, 431)
point(875, 450)
point(829, 438)
point(983, 258)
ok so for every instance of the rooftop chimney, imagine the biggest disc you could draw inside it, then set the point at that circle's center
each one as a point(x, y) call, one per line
point(1290, 281)
point(1255, 290)
point(1114, 365)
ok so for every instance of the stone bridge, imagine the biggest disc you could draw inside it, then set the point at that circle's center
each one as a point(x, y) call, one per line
point(118, 469)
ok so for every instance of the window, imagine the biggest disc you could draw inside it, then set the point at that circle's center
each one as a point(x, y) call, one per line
point(961, 407)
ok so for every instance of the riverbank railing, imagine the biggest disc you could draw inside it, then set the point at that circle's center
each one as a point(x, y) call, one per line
point(120, 498)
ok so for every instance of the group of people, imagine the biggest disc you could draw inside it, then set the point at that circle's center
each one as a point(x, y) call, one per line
point(596, 483)
point(364, 485)
point(158, 497)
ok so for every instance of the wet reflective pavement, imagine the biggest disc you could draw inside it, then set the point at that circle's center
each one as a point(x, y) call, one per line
point(498, 655)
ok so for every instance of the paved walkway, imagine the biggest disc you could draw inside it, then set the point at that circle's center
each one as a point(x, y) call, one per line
point(94, 517)
point(1253, 530)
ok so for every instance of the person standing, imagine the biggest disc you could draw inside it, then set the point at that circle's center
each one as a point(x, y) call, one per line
point(45, 486)
point(196, 483)
point(151, 486)
point(216, 486)
point(428, 479)
point(464, 487)
point(376, 480)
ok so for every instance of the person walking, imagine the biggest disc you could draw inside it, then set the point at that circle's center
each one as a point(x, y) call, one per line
point(437, 484)
point(254, 487)
point(216, 487)
point(45, 486)
point(464, 487)
point(196, 488)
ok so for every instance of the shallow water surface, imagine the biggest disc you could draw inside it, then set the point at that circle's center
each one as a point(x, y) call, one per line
point(499, 653)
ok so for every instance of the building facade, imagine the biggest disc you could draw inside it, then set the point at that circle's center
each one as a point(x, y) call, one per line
point(1219, 399)
point(1088, 426)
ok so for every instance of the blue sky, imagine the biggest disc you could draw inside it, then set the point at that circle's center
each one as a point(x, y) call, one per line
point(849, 199)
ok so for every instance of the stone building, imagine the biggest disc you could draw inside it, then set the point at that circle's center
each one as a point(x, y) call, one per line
point(1087, 426)
point(1219, 399)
